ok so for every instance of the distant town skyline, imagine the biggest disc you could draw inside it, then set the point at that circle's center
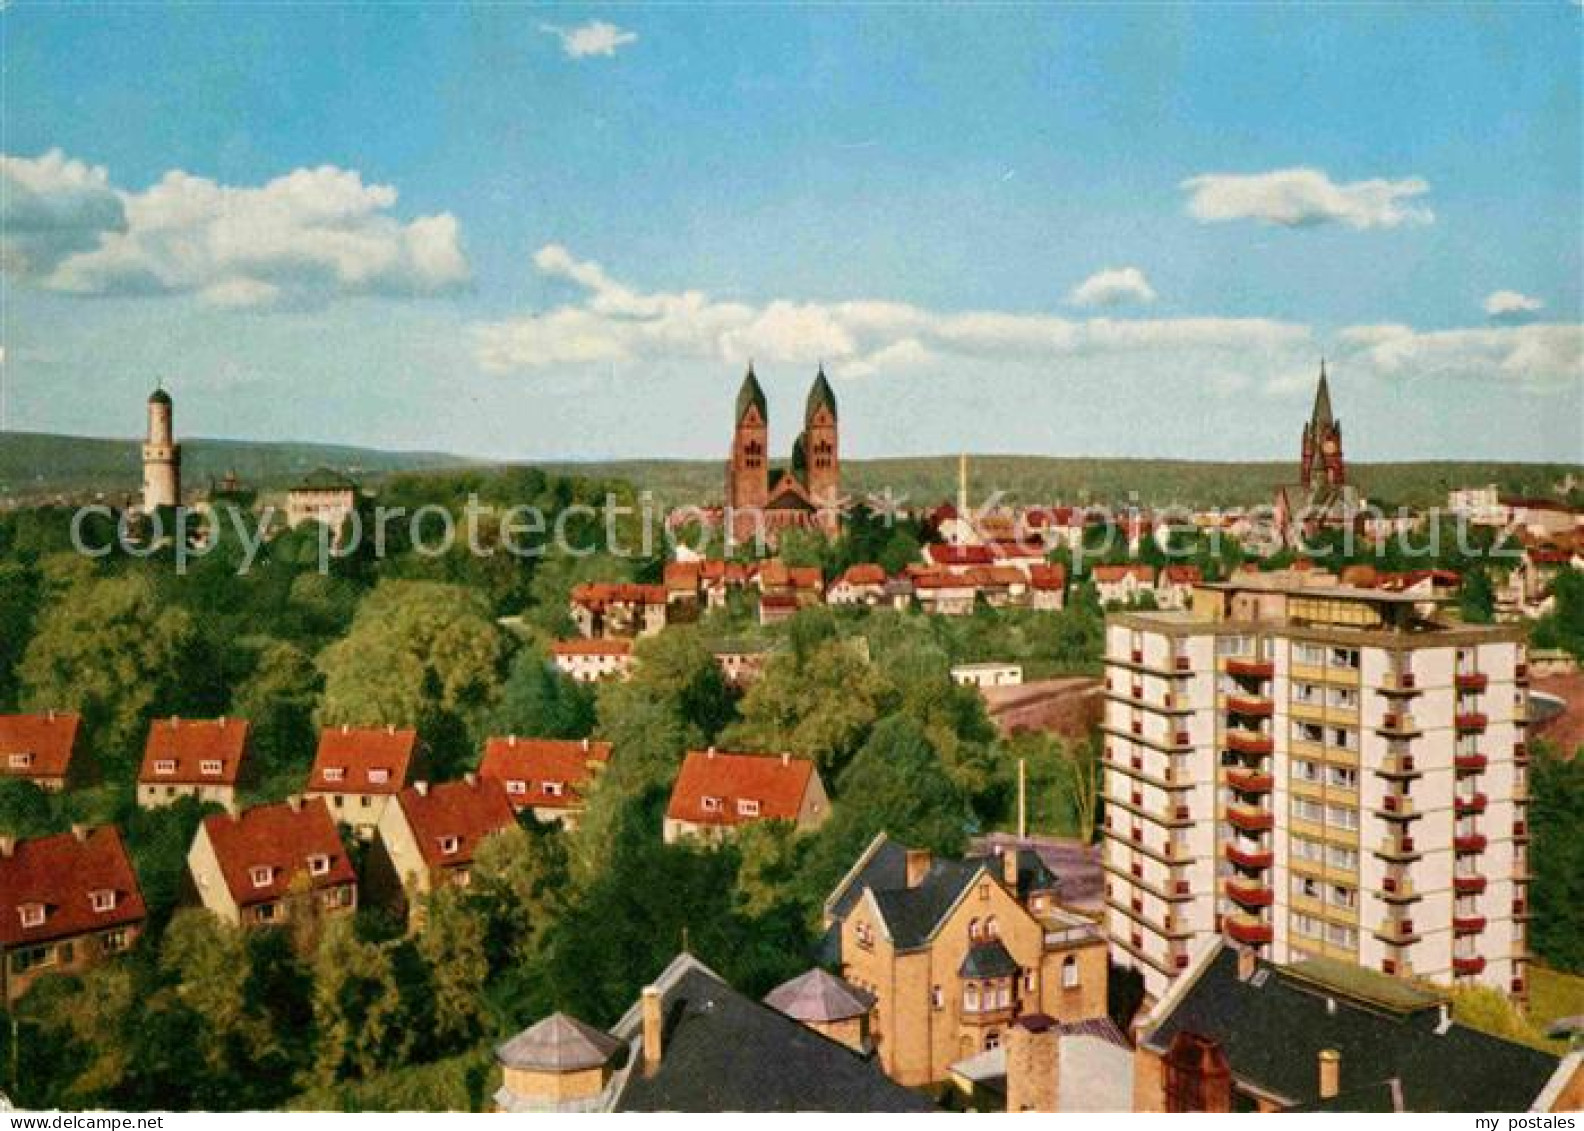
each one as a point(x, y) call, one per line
point(562, 233)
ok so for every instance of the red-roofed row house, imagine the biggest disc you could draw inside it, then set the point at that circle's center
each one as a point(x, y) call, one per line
point(428, 837)
point(618, 609)
point(262, 866)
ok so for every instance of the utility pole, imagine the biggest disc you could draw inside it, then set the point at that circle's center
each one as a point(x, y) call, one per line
point(1022, 800)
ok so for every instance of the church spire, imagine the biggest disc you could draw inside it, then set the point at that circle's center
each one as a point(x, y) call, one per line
point(1322, 418)
point(820, 395)
point(751, 395)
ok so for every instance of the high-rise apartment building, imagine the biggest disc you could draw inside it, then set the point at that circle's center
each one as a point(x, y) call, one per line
point(1317, 770)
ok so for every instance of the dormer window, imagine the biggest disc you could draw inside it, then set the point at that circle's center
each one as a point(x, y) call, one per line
point(335, 773)
point(517, 787)
point(378, 777)
point(711, 804)
point(102, 900)
point(209, 767)
point(318, 864)
point(554, 788)
point(747, 807)
point(261, 875)
point(449, 845)
point(32, 914)
point(20, 761)
point(165, 766)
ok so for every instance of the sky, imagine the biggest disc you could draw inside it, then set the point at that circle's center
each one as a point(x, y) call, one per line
point(553, 232)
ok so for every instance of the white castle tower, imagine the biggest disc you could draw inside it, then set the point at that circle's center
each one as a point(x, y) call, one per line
point(161, 456)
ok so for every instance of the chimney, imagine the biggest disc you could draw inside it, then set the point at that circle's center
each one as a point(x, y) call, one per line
point(346, 728)
point(470, 777)
point(79, 833)
point(295, 802)
point(1330, 1073)
point(1246, 963)
point(710, 753)
point(511, 740)
point(422, 787)
point(653, 1035)
point(918, 866)
point(1033, 1063)
point(585, 746)
point(1009, 867)
point(786, 759)
point(7, 846)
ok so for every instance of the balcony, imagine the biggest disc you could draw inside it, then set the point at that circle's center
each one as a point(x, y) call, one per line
point(1256, 705)
point(1398, 723)
point(1397, 889)
point(1249, 818)
point(1249, 893)
point(1182, 664)
point(1471, 681)
point(1250, 742)
point(1397, 932)
point(1470, 721)
point(1468, 924)
point(1470, 763)
point(1402, 683)
point(1249, 668)
point(1468, 966)
point(1468, 884)
point(1520, 752)
point(1398, 848)
point(1248, 930)
point(1250, 781)
point(1398, 766)
point(1138, 655)
point(1470, 803)
point(1253, 859)
point(1469, 842)
point(1520, 830)
point(1521, 673)
point(1396, 806)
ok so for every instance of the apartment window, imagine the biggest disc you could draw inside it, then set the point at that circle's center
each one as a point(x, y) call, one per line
point(557, 789)
point(20, 761)
point(1337, 934)
point(1340, 816)
point(1345, 859)
point(1344, 658)
point(1306, 770)
point(449, 845)
point(1306, 925)
point(378, 777)
point(1308, 732)
point(102, 900)
point(937, 998)
point(261, 875)
point(1306, 887)
point(1306, 810)
point(747, 807)
point(1069, 973)
point(209, 767)
point(1233, 645)
point(1343, 896)
point(1343, 777)
point(164, 765)
point(1306, 693)
point(710, 804)
point(334, 773)
point(1344, 738)
point(318, 864)
point(517, 787)
point(1344, 697)
point(1310, 655)
point(32, 914)
point(1305, 849)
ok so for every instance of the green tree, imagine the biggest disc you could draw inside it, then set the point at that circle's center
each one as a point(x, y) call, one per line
point(278, 697)
point(21, 593)
point(357, 1007)
point(538, 700)
point(1556, 817)
point(452, 945)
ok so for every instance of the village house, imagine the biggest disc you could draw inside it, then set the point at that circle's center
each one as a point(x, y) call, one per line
point(1123, 584)
point(1174, 585)
point(1001, 586)
point(690, 1043)
point(549, 776)
point(427, 839)
point(589, 661)
point(987, 675)
point(1048, 587)
point(715, 792)
point(272, 864)
point(200, 758)
point(741, 662)
point(357, 770)
point(956, 559)
point(862, 584)
point(955, 950)
point(944, 593)
point(778, 606)
point(1527, 591)
point(1237, 1033)
point(620, 609)
point(42, 749)
point(324, 496)
point(66, 902)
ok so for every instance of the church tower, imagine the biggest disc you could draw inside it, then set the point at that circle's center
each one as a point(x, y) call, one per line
point(823, 477)
point(748, 472)
point(161, 456)
point(1322, 443)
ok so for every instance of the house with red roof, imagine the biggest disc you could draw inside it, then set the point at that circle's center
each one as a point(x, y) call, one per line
point(549, 776)
point(1048, 587)
point(602, 608)
point(716, 792)
point(861, 584)
point(778, 606)
point(357, 770)
point(199, 758)
point(945, 592)
point(1123, 584)
point(41, 749)
point(272, 864)
point(66, 903)
point(953, 558)
point(427, 839)
point(1174, 585)
point(589, 661)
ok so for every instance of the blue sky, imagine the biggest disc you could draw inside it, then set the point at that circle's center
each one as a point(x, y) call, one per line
point(535, 232)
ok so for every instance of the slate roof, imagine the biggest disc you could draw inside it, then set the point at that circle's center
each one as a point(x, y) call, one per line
point(751, 395)
point(62, 872)
point(819, 995)
point(988, 960)
point(912, 914)
point(559, 1043)
point(723, 1051)
point(1273, 1029)
point(49, 739)
point(819, 394)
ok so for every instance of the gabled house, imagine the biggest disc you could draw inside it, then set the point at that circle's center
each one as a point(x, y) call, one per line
point(955, 950)
point(42, 749)
point(549, 776)
point(1236, 1033)
point(861, 584)
point(262, 867)
point(200, 758)
point(1123, 584)
point(1048, 587)
point(66, 903)
point(715, 792)
point(1174, 585)
point(691, 1043)
point(589, 661)
point(602, 608)
point(357, 770)
point(944, 592)
point(429, 835)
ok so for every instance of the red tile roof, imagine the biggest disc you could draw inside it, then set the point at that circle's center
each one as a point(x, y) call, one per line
point(940, 554)
point(187, 743)
point(864, 573)
point(777, 782)
point(282, 840)
point(466, 810)
point(774, 574)
point(1109, 573)
point(610, 646)
point(362, 759)
point(683, 577)
point(62, 874)
point(1181, 575)
point(597, 594)
point(1549, 556)
point(1012, 548)
point(1048, 577)
point(527, 766)
point(48, 740)
point(940, 579)
point(778, 600)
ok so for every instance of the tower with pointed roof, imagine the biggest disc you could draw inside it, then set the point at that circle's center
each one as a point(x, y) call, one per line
point(1322, 443)
point(822, 475)
point(161, 455)
point(748, 470)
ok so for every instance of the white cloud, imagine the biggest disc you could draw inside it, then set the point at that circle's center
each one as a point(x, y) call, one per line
point(1113, 287)
point(593, 38)
point(305, 236)
point(612, 321)
point(1536, 357)
point(1296, 198)
point(1511, 306)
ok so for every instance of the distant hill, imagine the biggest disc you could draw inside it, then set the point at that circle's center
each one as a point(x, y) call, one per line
point(36, 464)
point(40, 464)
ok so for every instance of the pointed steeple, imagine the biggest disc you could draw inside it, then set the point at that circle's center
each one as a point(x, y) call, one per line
point(1321, 417)
point(820, 395)
point(751, 395)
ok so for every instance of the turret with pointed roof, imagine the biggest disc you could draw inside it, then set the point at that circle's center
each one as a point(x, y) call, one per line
point(820, 396)
point(751, 395)
point(1322, 467)
point(822, 476)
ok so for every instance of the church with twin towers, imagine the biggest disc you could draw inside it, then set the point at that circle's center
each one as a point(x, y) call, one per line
point(806, 493)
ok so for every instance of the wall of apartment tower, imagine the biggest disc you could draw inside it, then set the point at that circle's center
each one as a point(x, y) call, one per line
point(1413, 867)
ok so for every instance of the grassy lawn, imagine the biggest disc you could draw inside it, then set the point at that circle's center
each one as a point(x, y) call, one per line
point(1553, 994)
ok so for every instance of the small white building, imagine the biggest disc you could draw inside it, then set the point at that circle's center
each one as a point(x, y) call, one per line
point(987, 675)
